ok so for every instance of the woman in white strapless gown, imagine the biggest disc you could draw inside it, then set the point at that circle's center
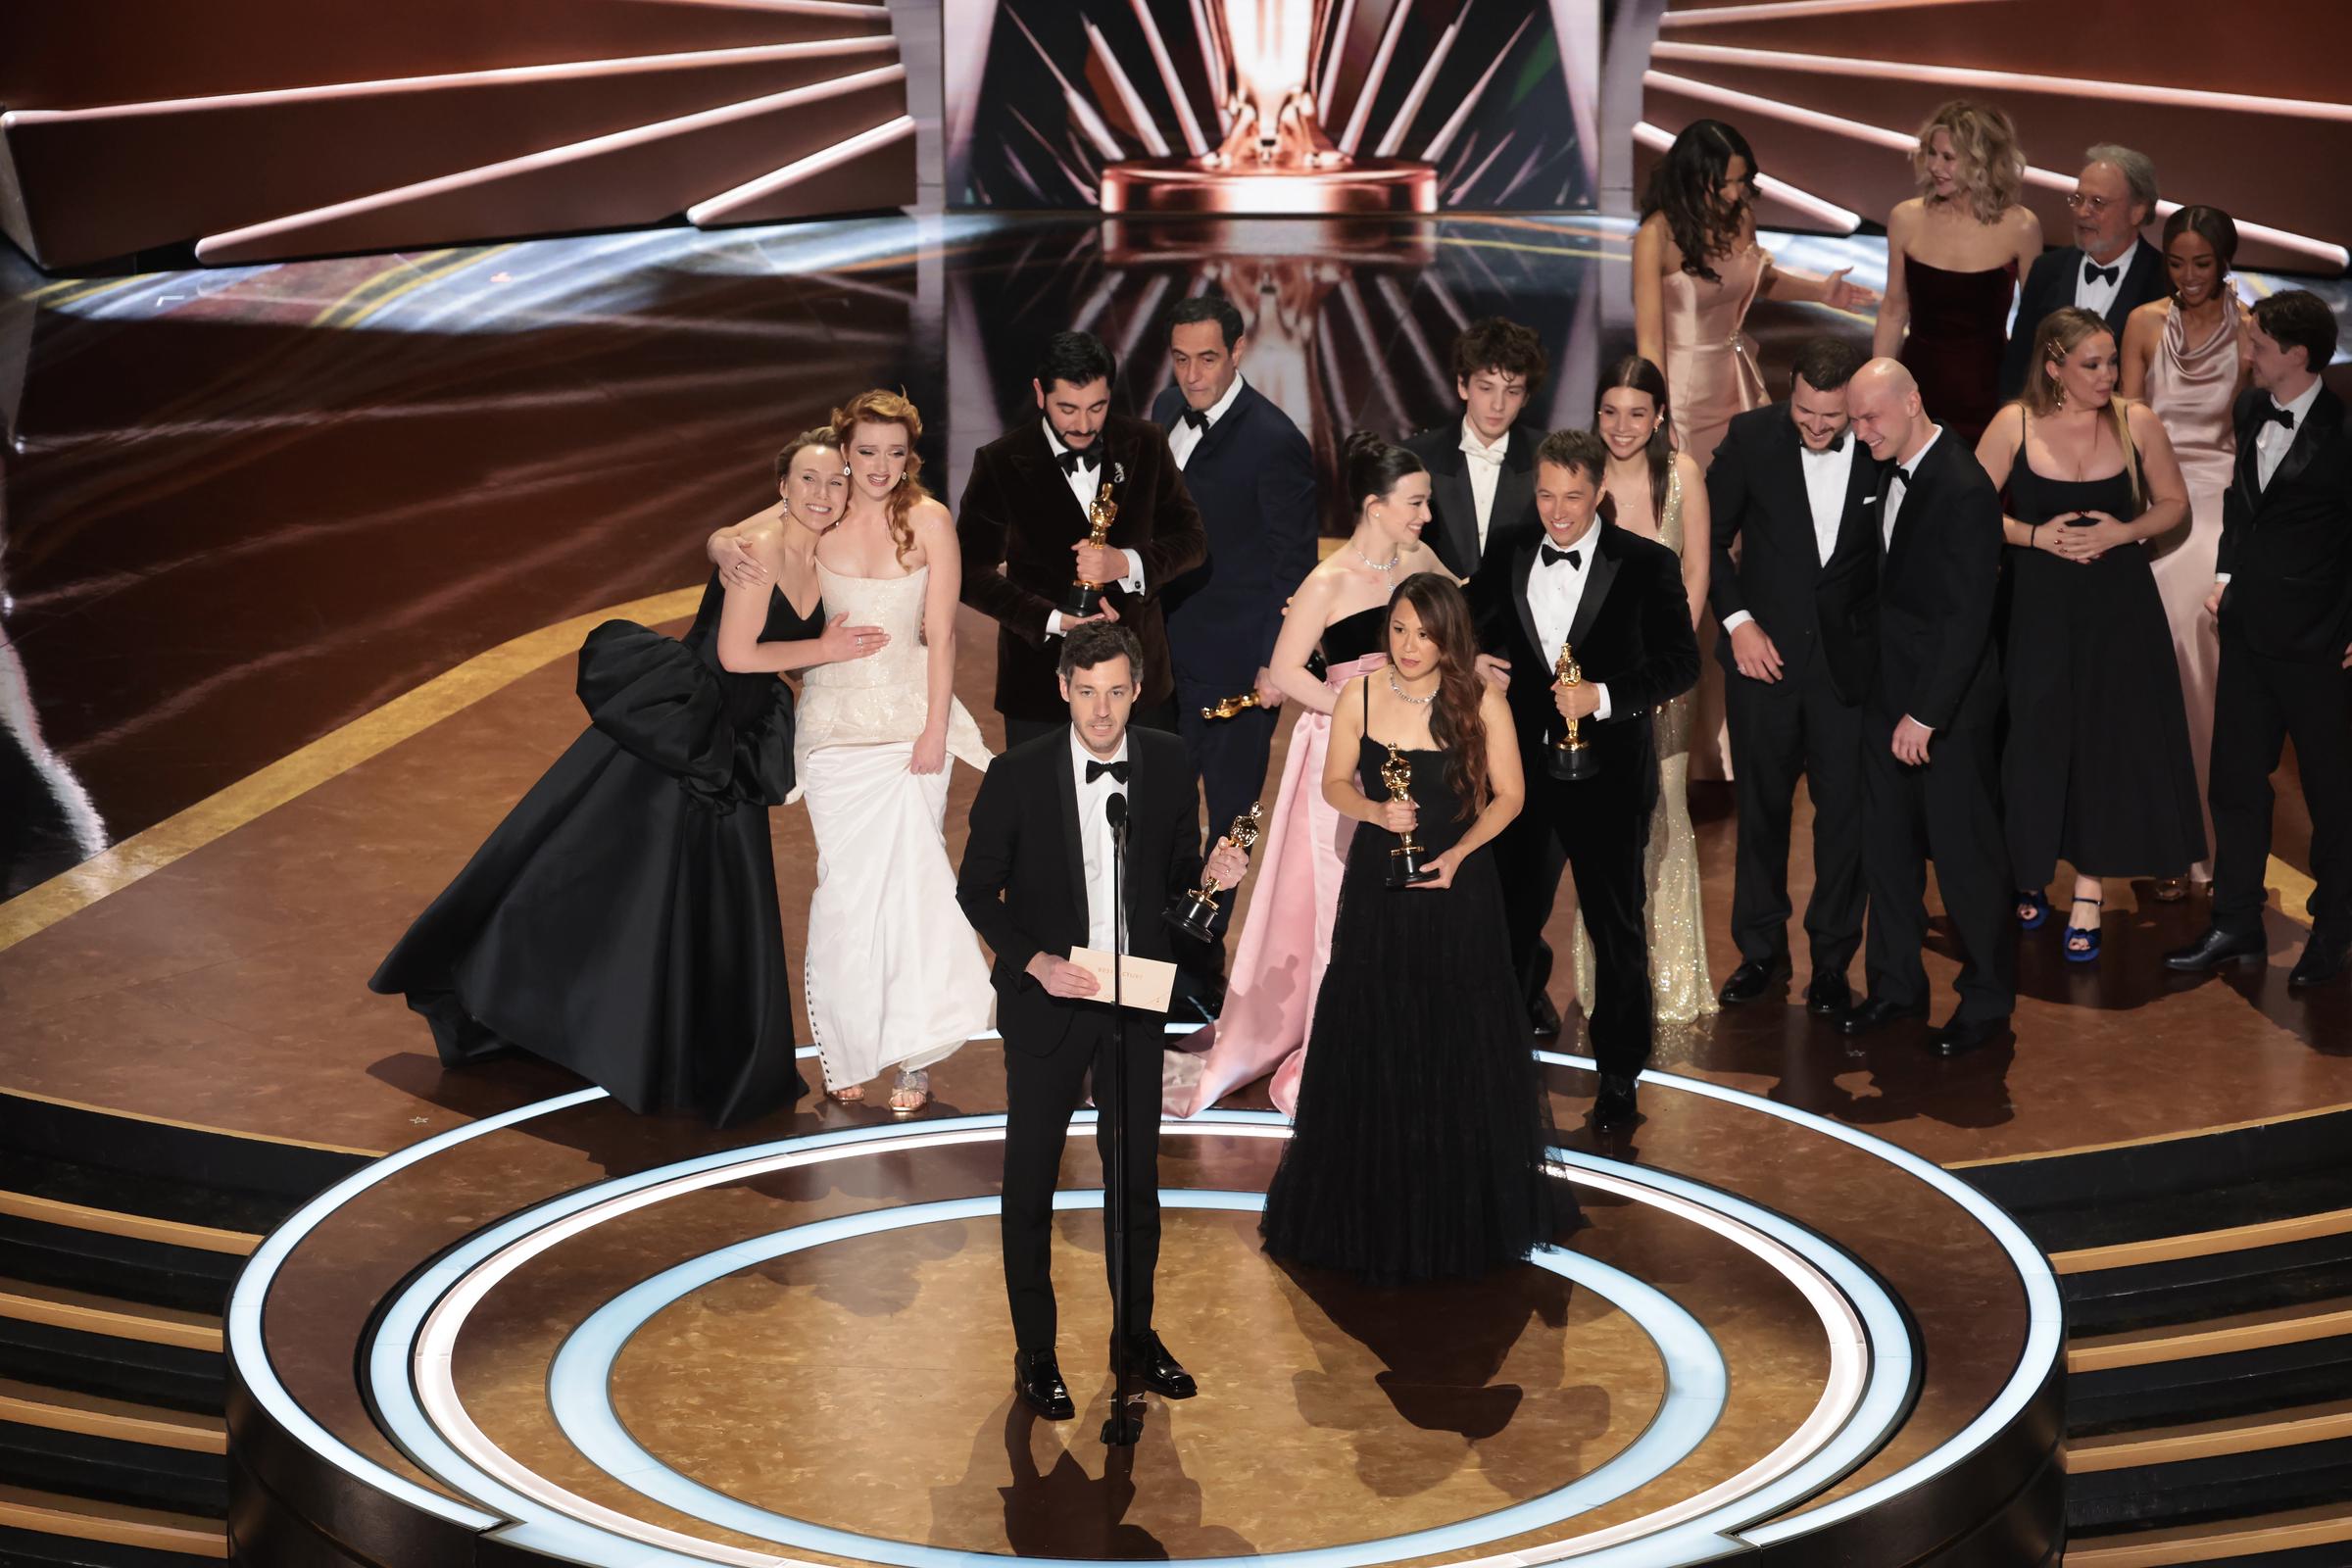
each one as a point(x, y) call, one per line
point(894, 976)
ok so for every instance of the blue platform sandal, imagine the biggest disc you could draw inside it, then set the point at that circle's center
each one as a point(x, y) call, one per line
point(2032, 910)
point(2082, 941)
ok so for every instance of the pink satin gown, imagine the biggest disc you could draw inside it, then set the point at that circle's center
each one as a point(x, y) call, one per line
point(1711, 374)
point(2192, 389)
point(1269, 1009)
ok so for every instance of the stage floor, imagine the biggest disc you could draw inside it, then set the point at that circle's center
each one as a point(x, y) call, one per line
point(298, 559)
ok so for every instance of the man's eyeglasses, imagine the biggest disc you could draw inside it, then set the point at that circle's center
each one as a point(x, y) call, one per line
point(2076, 201)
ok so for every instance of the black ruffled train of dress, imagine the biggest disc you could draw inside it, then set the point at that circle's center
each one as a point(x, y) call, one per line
point(1423, 1127)
point(623, 920)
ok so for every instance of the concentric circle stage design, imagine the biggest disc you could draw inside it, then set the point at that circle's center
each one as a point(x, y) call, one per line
point(560, 1333)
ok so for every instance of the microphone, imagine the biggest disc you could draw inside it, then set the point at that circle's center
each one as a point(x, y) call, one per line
point(1116, 811)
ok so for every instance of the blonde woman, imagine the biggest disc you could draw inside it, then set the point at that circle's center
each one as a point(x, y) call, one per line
point(894, 977)
point(2096, 771)
point(1954, 254)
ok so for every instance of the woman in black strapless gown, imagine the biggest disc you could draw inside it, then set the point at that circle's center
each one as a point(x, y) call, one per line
point(2096, 770)
point(1423, 1129)
point(623, 920)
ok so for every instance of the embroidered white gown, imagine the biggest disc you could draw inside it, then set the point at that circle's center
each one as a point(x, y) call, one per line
point(895, 976)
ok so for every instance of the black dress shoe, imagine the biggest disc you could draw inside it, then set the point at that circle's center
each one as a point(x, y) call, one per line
point(1958, 1038)
point(1037, 1379)
point(1749, 982)
point(1158, 1370)
point(1615, 1105)
point(1544, 1017)
point(2215, 946)
point(2322, 961)
point(1828, 996)
point(1873, 1012)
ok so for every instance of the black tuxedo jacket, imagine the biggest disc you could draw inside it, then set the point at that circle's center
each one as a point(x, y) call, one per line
point(1453, 508)
point(1936, 583)
point(1023, 883)
point(2286, 548)
point(1632, 633)
point(2050, 286)
point(1015, 527)
point(1757, 493)
point(1253, 477)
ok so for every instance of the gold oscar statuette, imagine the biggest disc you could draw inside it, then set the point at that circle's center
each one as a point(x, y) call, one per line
point(1191, 913)
point(1571, 755)
point(1227, 707)
point(1405, 860)
point(1085, 597)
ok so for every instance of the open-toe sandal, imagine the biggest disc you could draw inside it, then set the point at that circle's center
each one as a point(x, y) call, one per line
point(2032, 910)
point(2082, 941)
point(911, 1093)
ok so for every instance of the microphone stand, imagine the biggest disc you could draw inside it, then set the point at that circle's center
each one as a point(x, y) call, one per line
point(1125, 1424)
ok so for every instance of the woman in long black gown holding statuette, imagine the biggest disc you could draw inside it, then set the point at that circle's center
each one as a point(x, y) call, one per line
point(623, 920)
point(1422, 1134)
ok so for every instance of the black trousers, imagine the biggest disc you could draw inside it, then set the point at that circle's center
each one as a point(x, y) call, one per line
point(1160, 716)
point(2258, 703)
point(1947, 809)
point(1559, 830)
point(1040, 1094)
point(1795, 727)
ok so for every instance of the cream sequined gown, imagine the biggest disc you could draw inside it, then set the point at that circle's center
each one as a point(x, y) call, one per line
point(1678, 941)
point(895, 976)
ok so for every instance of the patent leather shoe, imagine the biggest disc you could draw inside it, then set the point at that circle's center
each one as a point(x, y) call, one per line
point(1749, 982)
point(1157, 1369)
point(1544, 1017)
point(2215, 947)
point(2322, 961)
point(1616, 1106)
point(1828, 996)
point(1876, 1013)
point(1960, 1037)
point(1037, 1379)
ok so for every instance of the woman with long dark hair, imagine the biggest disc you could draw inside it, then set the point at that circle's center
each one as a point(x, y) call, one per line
point(2096, 770)
point(1698, 269)
point(1653, 490)
point(1284, 942)
point(1423, 1130)
point(2189, 355)
point(622, 921)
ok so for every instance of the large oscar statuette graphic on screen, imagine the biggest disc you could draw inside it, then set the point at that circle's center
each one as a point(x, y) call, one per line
point(1276, 156)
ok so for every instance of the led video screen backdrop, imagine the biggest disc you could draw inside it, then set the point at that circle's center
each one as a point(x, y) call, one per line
point(1272, 106)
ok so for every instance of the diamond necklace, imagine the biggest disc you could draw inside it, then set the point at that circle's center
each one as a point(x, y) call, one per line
point(1419, 702)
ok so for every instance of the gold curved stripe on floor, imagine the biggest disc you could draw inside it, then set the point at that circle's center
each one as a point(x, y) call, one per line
point(144, 853)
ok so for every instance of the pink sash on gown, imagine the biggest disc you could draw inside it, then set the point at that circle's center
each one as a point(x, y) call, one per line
point(1269, 1011)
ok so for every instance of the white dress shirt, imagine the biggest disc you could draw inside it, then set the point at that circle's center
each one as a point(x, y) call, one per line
point(1484, 465)
point(1084, 483)
point(1826, 475)
point(2095, 295)
point(1554, 593)
point(1184, 437)
point(1897, 487)
point(1094, 840)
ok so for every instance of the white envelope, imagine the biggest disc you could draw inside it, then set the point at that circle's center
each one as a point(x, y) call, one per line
point(1146, 983)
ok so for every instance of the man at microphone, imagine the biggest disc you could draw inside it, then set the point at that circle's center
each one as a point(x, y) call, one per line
point(1036, 883)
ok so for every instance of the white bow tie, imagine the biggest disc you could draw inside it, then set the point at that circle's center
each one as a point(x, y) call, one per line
point(1490, 456)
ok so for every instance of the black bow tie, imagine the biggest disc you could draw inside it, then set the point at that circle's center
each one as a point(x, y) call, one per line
point(1117, 770)
point(1552, 558)
point(1072, 462)
point(2280, 416)
point(1198, 418)
point(2093, 273)
point(1835, 446)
